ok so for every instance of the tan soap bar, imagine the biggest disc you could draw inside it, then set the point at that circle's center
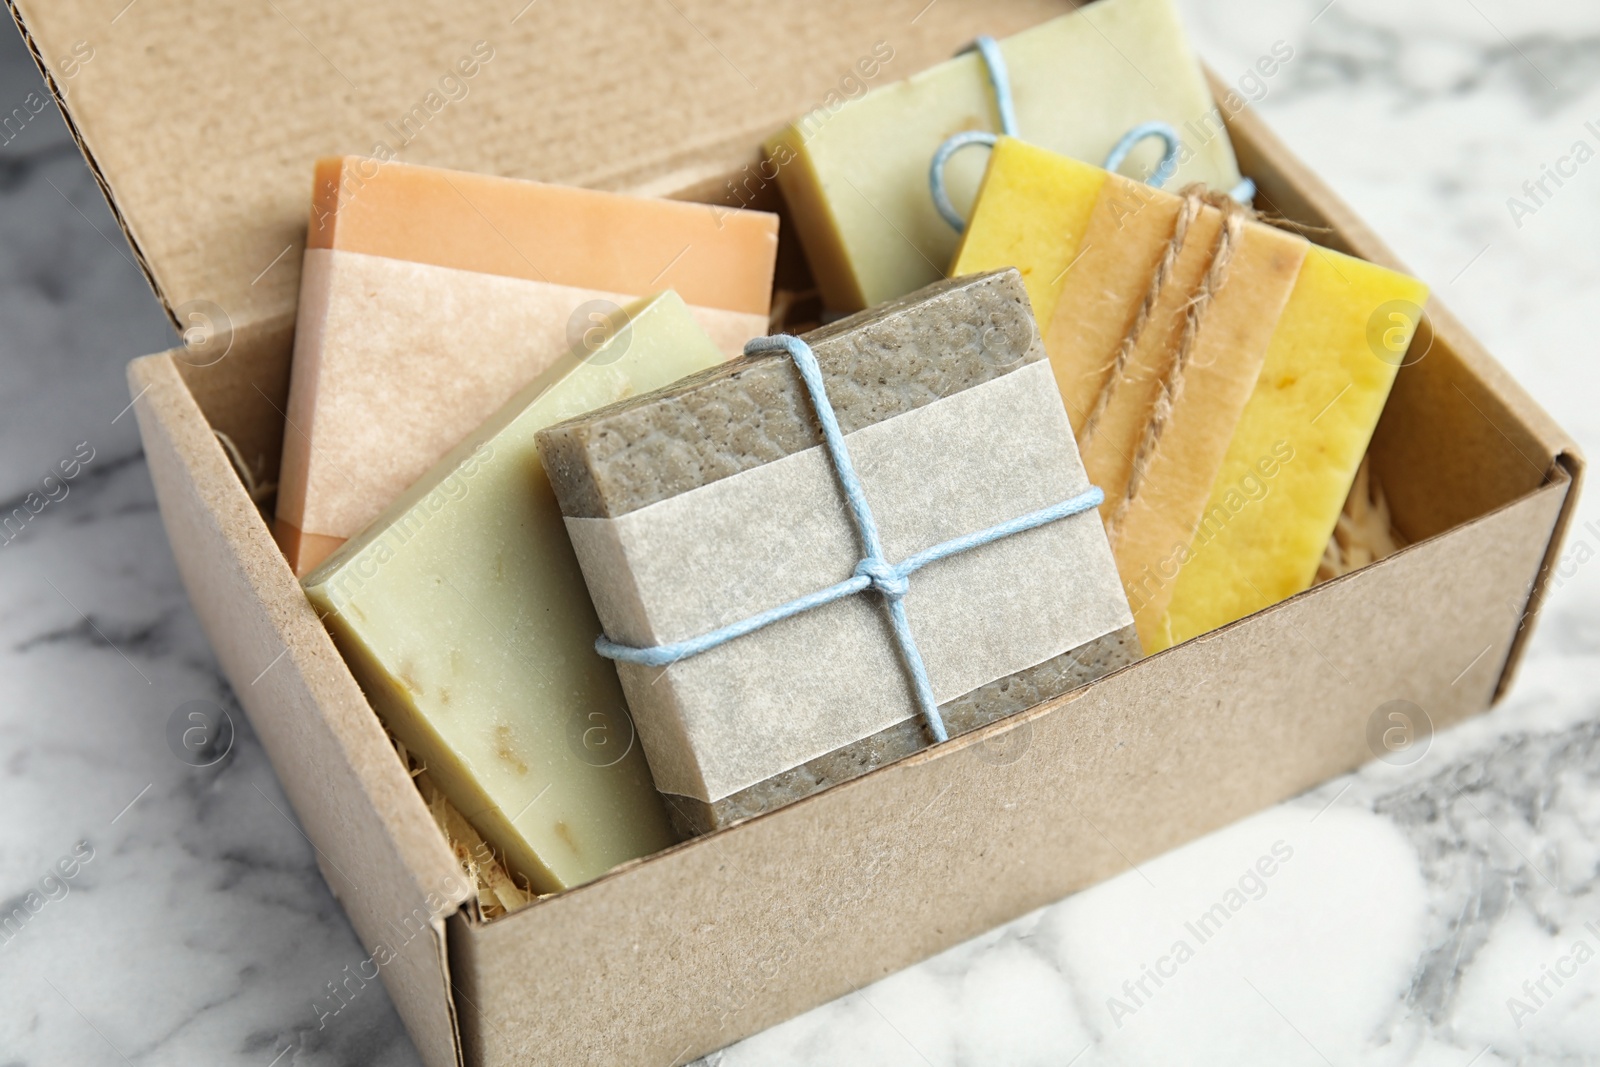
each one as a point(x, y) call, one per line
point(1088, 245)
point(1158, 339)
point(1165, 307)
point(429, 297)
point(1159, 507)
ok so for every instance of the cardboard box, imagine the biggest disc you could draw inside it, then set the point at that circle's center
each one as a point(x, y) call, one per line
point(201, 121)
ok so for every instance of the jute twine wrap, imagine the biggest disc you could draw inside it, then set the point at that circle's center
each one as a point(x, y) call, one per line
point(1234, 218)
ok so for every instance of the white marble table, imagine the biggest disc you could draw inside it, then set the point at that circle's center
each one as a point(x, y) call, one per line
point(1413, 904)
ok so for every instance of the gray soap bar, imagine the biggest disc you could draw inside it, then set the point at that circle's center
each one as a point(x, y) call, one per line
point(984, 705)
point(877, 364)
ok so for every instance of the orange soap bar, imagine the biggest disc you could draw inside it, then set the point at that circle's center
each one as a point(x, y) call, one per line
point(428, 297)
point(713, 257)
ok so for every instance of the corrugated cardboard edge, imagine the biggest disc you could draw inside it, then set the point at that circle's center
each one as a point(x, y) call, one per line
point(1568, 463)
point(76, 133)
point(376, 843)
point(1290, 189)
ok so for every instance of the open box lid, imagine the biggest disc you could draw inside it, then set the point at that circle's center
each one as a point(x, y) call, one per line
point(201, 119)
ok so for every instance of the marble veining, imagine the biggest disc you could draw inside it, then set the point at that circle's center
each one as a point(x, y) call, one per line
point(1417, 915)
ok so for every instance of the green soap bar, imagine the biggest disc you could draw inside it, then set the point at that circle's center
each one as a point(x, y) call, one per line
point(464, 616)
point(855, 176)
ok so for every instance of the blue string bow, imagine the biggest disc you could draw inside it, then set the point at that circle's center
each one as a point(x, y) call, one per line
point(889, 580)
point(1000, 81)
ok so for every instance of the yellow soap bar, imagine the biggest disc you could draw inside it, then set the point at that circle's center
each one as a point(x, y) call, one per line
point(1154, 376)
point(429, 296)
point(855, 177)
point(1087, 243)
point(1297, 447)
point(1032, 213)
point(464, 615)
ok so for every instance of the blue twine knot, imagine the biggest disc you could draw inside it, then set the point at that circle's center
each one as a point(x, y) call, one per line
point(994, 63)
point(874, 571)
point(1143, 132)
point(884, 576)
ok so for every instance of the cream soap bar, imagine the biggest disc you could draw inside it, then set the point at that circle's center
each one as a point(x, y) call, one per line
point(703, 503)
point(856, 179)
point(463, 614)
point(429, 296)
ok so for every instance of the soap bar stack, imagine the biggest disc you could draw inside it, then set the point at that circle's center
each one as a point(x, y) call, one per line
point(430, 296)
point(494, 460)
point(1200, 352)
point(712, 499)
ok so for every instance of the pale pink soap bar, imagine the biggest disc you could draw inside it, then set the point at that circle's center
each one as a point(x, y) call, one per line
point(430, 296)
